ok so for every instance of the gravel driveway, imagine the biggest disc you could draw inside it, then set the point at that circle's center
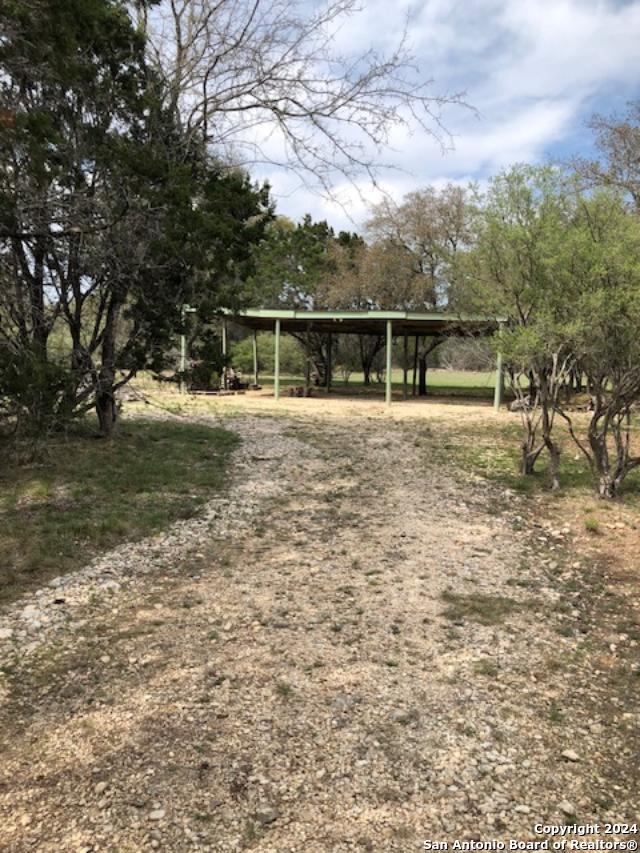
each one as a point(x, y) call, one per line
point(352, 648)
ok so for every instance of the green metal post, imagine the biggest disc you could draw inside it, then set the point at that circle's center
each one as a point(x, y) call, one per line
point(255, 357)
point(329, 365)
point(307, 363)
point(405, 368)
point(184, 310)
point(497, 396)
point(387, 396)
point(276, 370)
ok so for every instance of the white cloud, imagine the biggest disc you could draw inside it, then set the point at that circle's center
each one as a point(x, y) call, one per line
point(532, 68)
point(569, 47)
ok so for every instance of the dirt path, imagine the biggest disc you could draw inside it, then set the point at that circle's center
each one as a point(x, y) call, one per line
point(350, 650)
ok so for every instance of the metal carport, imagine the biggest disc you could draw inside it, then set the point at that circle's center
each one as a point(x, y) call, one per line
point(389, 323)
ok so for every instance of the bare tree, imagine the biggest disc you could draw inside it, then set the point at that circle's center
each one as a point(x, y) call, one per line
point(618, 139)
point(430, 226)
point(537, 370)
point(427, 229)
point(608, 442)
point(262, 82)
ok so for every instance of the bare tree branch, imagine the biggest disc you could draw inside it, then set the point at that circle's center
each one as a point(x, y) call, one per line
point(262, 81)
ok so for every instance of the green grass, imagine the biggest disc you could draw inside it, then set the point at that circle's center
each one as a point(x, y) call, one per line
point(555, 713)
point(494, 452)
point(592, 525)
point(485, 667)
point(485, 609)
point(467, 383)
point(284, 690)
point(87, 495)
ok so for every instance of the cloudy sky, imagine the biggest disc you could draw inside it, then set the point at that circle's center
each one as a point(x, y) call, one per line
point(534, 70)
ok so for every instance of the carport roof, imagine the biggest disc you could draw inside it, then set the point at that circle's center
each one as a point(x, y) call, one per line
point(363, 322)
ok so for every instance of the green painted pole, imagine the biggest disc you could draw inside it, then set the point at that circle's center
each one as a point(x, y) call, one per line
point(497, 396)
point(387, 396)
point(405, 368)
point(329, 362)
point(184, 310)
point(276, 372)
point(255, 357)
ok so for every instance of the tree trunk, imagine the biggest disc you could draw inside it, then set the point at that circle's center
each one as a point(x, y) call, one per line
point(601, 464)
point(609, 482)
point(554, 464)
point(547, 428)
point(369, 348)
point(106, 408)
point(329, 363)
point(530, 454)
point(307, 374)
point(605, 487)
point(422, 379)
point(576, 374)
point(529, 459)
point(314, 346)
point(40, 330)
point(107, 412)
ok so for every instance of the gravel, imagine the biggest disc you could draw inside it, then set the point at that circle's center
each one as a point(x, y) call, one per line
point(288, 671)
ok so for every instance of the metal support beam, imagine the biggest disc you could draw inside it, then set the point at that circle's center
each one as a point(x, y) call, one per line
point(255, 357)
point(276, 366)
point(329, 362)
point(184, 310)
point(405, 367)
point(307, 362)
point(497, 396)
point(387, 395)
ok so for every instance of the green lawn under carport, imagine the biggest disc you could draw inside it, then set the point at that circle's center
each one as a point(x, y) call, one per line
point(440, 383)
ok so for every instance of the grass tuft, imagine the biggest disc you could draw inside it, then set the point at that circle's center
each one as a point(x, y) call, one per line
point(486, 609)
point(486, 667)
point(284, 690)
